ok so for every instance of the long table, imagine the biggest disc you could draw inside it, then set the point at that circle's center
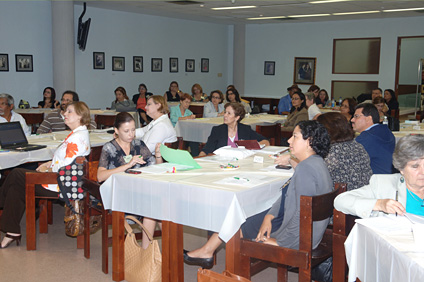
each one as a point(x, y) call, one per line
point(383, 249)
point(193, 198)
point(198, 130)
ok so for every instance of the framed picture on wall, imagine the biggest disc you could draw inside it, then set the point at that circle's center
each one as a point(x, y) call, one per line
point(98, 60)
point(304, 70)
point(269, 68)
point(205, 65)
point(173, 64)
point(137, 64)
point(24, 63)
point(189, 65)
point(118, 63)
point(156, 64)
point(4, 62)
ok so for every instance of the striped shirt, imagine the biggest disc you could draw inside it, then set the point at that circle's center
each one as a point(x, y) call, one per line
point(55, 122)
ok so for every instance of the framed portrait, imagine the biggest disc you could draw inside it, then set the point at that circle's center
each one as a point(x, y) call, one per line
point(24, 63)
point(304, 70)
point(137, 64)
point(204, 65)
point(173, 64)
point(118, 63)
point(156, 64)
point(269, 68)
point(4, 62)
point(189, 65)
point(98, 60)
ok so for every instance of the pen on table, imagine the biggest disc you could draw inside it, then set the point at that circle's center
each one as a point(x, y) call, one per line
point(283, 151)
point(397, 192)
point(242, 178)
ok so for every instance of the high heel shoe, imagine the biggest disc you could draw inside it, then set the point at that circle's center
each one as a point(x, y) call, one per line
point(14, 238)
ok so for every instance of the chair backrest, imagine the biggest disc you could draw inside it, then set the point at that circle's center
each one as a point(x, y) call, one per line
point(33, 120)
point(91, 187)
point(197, 110)
point(104, 121)
point(175, 145)
point(271, 132)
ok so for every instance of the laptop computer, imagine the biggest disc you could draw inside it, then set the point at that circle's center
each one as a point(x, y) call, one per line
point(12, 137)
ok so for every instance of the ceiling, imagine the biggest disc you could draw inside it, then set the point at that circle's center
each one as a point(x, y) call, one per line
point(201, 10)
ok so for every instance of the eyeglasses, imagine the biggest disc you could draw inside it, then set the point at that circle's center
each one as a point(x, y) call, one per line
point(66, 100)
point(216, 97)
point(356, 116)
point(296, 98)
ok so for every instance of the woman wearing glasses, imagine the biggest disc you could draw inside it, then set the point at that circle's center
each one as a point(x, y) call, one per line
point(214, 108)
point(297, 113)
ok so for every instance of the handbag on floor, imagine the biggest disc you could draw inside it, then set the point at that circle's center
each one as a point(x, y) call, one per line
point(206, 275)
point(141, 265)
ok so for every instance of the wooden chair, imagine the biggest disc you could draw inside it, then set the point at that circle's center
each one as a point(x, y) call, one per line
point(312, 208)
point(271, 132)
point(104, 121)
point(175, 145)
point(34, 120)
point(32, 179)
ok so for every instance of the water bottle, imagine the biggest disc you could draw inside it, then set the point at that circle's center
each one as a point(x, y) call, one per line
point(340, 101)
point(333, 103)
point(385, 121)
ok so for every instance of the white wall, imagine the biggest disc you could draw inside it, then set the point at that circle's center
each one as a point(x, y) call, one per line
point(25, 28)
point(283, 42)
point(128, 34)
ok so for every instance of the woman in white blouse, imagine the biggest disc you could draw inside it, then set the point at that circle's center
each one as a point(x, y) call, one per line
point(214, 108)
point(160, 129)
point(12, 193)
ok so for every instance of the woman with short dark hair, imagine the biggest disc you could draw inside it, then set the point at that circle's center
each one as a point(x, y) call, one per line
point(298, 112)
point(215, 107)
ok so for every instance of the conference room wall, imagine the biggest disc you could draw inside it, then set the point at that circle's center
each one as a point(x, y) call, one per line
point(129, 34)
point(26, 28)
point(283, 42)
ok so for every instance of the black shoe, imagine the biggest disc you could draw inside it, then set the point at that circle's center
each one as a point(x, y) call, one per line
point(206, 263)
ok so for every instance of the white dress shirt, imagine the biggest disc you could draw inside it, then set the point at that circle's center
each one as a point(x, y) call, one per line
point(18, 117)
point(158, 131)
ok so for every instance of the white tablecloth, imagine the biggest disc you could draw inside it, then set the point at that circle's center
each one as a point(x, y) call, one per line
point(382, 249)
point(198, 130)
point(193, 198)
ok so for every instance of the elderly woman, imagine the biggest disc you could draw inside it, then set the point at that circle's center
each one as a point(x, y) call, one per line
point(214, 108)
point(347, 161)
point(173, 93)
point(122, 103)
point(313, 110)
point(297, 113)
point(232, 130)
point(233, 96)
point(182, 112)
point(198, 95)
point(12, 193)
point(125, 152)
point(391, 193)
point(280, 224)
point(160, 130)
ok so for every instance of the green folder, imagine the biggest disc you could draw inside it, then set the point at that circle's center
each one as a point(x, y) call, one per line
point(179, 157)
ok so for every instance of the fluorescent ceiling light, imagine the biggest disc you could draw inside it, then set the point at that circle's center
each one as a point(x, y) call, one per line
point(267, 18)
point(306, 16)
point(403, 10)
point(327, 1)
point(235, 7)
point(355, 13)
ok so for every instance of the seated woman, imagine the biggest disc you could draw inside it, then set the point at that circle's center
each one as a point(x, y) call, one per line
point(280, 224)
point(160, 129)
point(391, 193)
point(322, 99)
point(197, 93)
point(297, 113)
point(182, 112)
point(314, 89)
point(347, 161)
point(12, 193)
point(125, 152)
point(379, 103)
point(313, 110)
point(347, 108)
point(214, 108)
point(233, 96)
point(140, 100)
point(122, 103)
point(232, 130)
point(49, 99)
point(173, 94)
point(390, 98)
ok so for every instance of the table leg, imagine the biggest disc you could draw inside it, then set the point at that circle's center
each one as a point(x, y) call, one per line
point(232, 251)
point(172, 252)
point(118, 238)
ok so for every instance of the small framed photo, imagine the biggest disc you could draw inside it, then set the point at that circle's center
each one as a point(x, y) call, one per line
point(304, 70)
point(173, 64)
point(4, 62)
point(189, 65)
point(137, 64)
point(205, 65)
point(118, 63)
point(24, 63)
point(269, 68)
point(98, 60)
point(156, 64)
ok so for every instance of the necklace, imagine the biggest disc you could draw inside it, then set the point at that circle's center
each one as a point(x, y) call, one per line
point(418, 200)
